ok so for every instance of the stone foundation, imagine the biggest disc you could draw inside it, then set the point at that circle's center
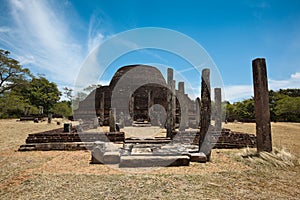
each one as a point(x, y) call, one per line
point(225, 139)
point(59, 140)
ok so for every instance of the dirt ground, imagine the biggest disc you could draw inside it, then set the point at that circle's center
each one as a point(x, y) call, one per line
point(68, 174)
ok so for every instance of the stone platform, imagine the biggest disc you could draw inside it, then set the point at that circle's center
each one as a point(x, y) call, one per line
point(154, 161)
point(146, 155)
point(58, 140)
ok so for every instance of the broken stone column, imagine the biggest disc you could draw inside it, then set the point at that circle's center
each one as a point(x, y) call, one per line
point(150, 102)
point(261, 104)
point(198, 105)
point(112, 120)
point(67, 127)
point(205, 114)
point(98, 153)
point(49, 118)
point(181, 87)
point(131, 107)
point(102, 107)
point(187, 103)
point(174, 103)
point(218, 108)
point(183, 106)
point(170, 104)
point(26, 110)
point(41, 110)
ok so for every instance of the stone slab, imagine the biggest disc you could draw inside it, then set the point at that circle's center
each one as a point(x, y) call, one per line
point(198, 157)
point(111, 157)
point(154, 161)
point(57, 146)
point(141, 152)
point(143, 141)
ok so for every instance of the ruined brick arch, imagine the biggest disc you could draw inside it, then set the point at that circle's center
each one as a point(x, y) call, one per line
point(129, 82)
point(150, 103)
point(134, 89)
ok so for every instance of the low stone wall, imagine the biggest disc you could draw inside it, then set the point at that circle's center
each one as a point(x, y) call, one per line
point(59, 140)
point(59, 136)
point(221, 140)
point(57, 146)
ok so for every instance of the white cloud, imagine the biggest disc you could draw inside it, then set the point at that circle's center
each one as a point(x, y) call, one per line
point(292, 82)
point(95, 41)
point(4, 29)
point(26, 59)
point(296, 75)
point(41, 35)
point(98, 30)
point(240, 92)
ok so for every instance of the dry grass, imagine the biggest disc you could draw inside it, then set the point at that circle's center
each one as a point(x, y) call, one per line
point(280, 158)
point(68, 175)
point(284, 135)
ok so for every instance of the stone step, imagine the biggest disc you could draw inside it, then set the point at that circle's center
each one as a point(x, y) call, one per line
point(57, 146)
point(146, 141)
point(198, 157)
point(154, 161)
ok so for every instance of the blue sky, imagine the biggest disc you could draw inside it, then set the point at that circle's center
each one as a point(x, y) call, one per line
point(55, 37)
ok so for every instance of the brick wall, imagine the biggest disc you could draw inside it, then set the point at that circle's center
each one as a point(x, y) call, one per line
point(224, 139)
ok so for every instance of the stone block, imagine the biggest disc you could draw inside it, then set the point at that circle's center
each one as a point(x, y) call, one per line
point(67, 127)
point(111, 157)
point(154, 161)
point(97, 156)
point(198, 157)
point(141, 152)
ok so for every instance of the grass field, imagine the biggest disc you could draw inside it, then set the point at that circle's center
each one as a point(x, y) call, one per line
point(68, 175)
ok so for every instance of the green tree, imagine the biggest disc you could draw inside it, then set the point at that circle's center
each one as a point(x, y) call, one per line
point(290, 92)
point(288, 109)
point(42, 92)
point(11, 72)
point(62, 108)
point(230, 112)
point(241, 111)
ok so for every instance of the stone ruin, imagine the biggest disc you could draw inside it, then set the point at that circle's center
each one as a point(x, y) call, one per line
point(139, 100)
point(135, 90)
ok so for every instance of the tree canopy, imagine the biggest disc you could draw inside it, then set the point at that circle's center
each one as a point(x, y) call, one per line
point(20, 89)
point(11, 72)
point(284, 106)
point(42, 92)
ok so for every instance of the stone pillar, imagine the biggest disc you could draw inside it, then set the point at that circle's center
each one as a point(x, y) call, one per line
point(198, 105)
point(173, 103)
point(41, 110)
point(183, 106)
point(26, 110)
point(187, 110)
point(149, 104)
point(170, 76)
point(67, 127)
point(170, 104)
point(262, 109)
point(131, 107)
point(102, 107)
point(205, 116)
point(181, 87)
point(49, 118)
point(112, 120)
point(218, 108)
